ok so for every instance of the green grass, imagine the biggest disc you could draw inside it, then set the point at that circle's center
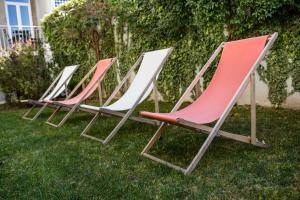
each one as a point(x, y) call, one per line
point(38, 161)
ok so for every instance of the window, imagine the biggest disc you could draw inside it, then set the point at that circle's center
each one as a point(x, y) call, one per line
point(18, 14)
point(59, 2)
point(18, 1)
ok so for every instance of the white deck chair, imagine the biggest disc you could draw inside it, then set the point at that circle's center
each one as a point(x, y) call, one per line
point(58, 86)
point(144, 82)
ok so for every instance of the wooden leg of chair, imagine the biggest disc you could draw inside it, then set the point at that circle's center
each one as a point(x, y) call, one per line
point(84, 132)
point(87, 128)
point(253, 109)
point(117, 128)
point(27, 113)
point(66, 116)
point(40, 111)
point(53, 114)
point(156, 100)
point(202, 150)
point(155, 137)
point(100, 93)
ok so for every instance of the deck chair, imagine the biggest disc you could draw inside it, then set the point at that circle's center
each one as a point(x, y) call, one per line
point(144, 82)
point(71, 103)
point(236, 68)
point(58, 86)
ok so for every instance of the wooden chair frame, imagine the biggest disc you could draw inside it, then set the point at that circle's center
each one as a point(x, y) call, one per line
point(40, 101)
point(128, 114)
point(215, 131)
point(73, 108)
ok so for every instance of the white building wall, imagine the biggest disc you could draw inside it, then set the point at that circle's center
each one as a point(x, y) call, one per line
point(43, 7)
point(2, 98)
point(262, 91)
point(292, 101)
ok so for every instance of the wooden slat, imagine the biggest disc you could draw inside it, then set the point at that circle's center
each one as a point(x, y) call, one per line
point(119, 114)
point(61, 104)
point(228, 135)
point(93, 138)
point(253, 108)
point(207, 129)
point(164, 162)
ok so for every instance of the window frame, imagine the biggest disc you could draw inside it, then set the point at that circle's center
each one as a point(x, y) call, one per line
point(18, 11)
point(19, 17)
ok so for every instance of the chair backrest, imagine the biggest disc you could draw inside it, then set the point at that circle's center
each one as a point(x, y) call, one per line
point(235, 63)
point(62, 82)
point(102, 67)
point(151, 63)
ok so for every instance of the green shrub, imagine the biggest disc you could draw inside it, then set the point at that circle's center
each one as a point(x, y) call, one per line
point(23, 72)
point(194, 27)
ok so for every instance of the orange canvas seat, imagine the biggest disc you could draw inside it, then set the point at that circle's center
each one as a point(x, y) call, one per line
point(235, 63)
point(102, 67)
point(73, 102)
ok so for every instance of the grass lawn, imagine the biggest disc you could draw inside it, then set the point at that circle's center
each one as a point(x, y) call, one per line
point(38, 161)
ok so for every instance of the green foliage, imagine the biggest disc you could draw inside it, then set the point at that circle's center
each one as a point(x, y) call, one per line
point(23, 72)
point(283, 61)
point(194, 27)
point(80, 33)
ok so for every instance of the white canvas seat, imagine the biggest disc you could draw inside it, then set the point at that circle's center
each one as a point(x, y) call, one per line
point(138, 91)
point(62, 83)
point(58, 86)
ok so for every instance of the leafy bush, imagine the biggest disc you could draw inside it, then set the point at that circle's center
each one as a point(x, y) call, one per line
point(23, 72)
point(81, 33)
point(194, 27)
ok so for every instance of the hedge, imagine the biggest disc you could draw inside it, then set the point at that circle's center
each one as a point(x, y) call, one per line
point(82, 31)
point(24, 73)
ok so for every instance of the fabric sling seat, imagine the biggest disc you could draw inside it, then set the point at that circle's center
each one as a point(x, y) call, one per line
point(236, 61)
point(58, 86)
point(72, 102)
point(151, 64)
point(236, 68)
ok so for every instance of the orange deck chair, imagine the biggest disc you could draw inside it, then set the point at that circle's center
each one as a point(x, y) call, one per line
point(72, 103)
point(236, 68)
